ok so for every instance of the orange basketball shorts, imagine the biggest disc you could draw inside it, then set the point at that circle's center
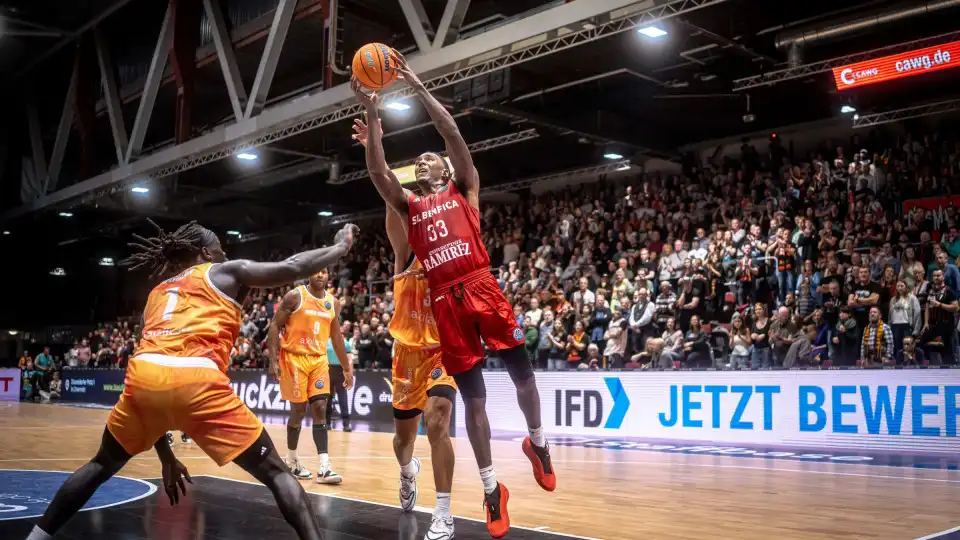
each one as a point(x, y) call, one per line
point(163, 393)
point(303, 377)
point(416, 372)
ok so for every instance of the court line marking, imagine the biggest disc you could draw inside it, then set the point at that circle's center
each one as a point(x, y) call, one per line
point(939, 534)
point(152, 489)
point(584, 461)
point(416, 509)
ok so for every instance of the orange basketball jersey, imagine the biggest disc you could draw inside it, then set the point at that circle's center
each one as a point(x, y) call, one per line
point(413, 324)
point(308, 327)
point(188, 317)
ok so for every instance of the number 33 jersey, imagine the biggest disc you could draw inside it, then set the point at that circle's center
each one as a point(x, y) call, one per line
point(186, 316)
point(444, 232)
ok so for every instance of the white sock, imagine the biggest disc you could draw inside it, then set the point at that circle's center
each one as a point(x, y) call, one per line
point(489, 478)
point(537, 437)
point(410, 470)
point(443, 505)
point(38, 534)
point(292, 455)
point(324, 461)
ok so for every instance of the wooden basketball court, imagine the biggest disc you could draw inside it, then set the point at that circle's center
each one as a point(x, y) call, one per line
point(602, 493)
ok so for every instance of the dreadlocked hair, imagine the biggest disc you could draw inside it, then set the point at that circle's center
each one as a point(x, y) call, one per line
point(166, 252)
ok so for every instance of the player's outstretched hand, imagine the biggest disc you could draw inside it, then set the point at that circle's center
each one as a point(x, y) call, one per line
point(348, 379)
point(347, 235)
point(174, 473)
point(360, 132)
point(371, 101)
point(406, 74)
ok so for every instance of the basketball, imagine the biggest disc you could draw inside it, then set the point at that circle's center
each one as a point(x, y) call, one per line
point(374, 66)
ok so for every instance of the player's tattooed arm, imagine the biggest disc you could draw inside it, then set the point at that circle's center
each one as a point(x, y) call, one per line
point(231, 276)
point(289, 304)
point(467, 178)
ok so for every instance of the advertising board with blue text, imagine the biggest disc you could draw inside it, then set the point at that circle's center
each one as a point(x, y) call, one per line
point(886, 410)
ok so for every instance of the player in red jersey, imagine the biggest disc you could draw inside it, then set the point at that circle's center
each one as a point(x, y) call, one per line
point(443, 226)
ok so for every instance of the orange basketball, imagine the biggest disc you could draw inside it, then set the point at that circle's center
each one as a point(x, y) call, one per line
point(374, 66)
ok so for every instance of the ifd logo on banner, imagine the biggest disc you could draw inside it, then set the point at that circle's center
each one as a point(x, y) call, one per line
point(585, 407)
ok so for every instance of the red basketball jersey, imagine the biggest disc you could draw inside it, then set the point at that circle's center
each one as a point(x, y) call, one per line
point(444, 232)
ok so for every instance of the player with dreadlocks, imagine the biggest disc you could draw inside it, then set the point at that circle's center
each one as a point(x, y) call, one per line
point(176, 378)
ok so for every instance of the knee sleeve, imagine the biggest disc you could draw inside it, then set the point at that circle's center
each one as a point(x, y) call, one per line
point(518, 364)
point(257, 453)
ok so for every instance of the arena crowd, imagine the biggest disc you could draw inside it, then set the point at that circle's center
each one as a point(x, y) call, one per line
point(752, 262)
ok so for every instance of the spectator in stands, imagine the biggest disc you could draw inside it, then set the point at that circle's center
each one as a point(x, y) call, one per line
point(70, 359)
point(615, 338)
point(740, 344)
point(908, 267)
point(940, 329)
point(877, 343)
point(56, 386)
point(864, 294)
point(557, 356)
point(762, 356)
point(84, 354)
point(577, 343)
point(696, 346)
point(801, 350)
point(384, 347)
point(641, 320)
point(583, 295)
point(847, 339)
point(25, 360)
point(30, 378)
point(248, 329)
point(366, 347)
point(667, 351)
point(782, 334)
point(905, 317)
point(911, 355)
point(951, 274)
point(812, 235)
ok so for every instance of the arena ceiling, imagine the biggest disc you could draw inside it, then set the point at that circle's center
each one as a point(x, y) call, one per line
point(580, 87)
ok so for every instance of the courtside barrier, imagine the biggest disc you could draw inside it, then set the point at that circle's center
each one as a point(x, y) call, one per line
point(878, 410)
point(371, 397)
point(9, 384)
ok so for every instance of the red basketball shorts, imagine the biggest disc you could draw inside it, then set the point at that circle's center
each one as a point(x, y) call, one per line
point(468, 310)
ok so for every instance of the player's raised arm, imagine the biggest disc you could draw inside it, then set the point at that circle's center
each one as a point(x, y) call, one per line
point(397, 234)
point(370, 135)
point(232, 275)
point(288, 305)
point(457, 149)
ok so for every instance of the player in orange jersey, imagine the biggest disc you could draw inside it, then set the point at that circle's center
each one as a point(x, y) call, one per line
point(176, 378)
point(305, 320)
point(421, 385)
